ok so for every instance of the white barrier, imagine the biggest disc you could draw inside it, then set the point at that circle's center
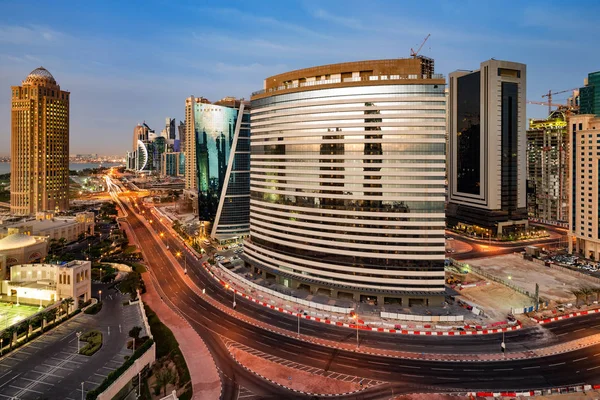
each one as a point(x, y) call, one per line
point(318, 306)
point(423, 318)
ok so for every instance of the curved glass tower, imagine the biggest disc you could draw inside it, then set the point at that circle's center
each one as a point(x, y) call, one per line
point(347, 181)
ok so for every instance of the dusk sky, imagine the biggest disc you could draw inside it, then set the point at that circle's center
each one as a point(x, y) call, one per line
point(134, 61)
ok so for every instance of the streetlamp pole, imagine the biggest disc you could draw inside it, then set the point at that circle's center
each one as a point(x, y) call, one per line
point(82, 393)
point(298, 323)
point(100, 295)
point(78, 336)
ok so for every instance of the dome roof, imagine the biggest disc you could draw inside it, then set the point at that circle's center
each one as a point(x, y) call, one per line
point(15, 241)
point(38, 75)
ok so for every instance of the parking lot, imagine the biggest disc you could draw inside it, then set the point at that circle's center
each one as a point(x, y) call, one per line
point(49, 367)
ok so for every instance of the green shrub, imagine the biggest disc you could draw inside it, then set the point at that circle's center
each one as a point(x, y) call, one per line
point(94, 342)
point(95, 309)
point(113, 376)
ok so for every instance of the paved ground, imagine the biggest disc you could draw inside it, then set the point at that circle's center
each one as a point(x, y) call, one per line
point(49, 366)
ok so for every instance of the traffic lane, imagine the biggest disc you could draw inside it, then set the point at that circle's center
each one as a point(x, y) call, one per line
point(525, 339)
point(484, 374)
point(231, 372)
point(576, 327)
point(352, 363)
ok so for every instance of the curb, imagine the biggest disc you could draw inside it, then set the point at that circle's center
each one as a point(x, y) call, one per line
point(532, 393)
point(566, 316)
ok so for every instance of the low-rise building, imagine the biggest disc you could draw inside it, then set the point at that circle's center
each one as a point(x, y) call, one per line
point(51, 226)
point(48, 283)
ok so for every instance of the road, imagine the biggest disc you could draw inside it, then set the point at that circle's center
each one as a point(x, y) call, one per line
point(408, 375)
point(49, 366)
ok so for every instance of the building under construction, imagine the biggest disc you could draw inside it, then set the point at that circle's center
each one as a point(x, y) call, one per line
point(548, 167)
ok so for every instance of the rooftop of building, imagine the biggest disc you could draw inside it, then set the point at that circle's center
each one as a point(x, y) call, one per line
point(39, 76)
point(39, 225)
point(17, 240)
point(376, 72)
point(62, 264)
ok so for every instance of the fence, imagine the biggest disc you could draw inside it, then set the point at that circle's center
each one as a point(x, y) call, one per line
point(306, 303)
point(423, 318)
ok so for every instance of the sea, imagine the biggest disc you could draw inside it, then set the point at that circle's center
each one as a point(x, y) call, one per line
point(5, 166)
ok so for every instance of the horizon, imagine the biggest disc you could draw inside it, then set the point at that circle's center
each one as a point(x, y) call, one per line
point(130, 64)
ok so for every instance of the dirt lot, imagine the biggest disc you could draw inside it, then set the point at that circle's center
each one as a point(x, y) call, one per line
point(495, 299)
point(555, 284)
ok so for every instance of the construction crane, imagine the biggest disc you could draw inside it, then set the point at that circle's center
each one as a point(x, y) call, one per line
point(413, 53)
point(549, 96)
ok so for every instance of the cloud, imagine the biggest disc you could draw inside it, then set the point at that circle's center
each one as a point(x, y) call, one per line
point(319, 13)
point(30, 35)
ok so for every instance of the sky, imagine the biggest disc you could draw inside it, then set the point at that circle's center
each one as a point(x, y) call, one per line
point(126, 62)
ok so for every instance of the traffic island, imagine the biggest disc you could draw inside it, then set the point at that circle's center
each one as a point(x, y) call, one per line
point(297, 377)
point(94, 342)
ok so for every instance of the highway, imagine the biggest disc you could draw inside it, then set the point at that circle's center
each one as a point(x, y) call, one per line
point(407, 375)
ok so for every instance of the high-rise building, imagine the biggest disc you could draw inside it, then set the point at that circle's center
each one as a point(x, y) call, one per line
point(170, 128)
point(39, 145)
point(589, 95)
point(347, 181)
point(548, 167)
point(584, 193)
point(487, 145)
point(217, 165)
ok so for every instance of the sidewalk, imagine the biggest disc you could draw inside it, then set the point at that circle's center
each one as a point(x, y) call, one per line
point(206, 382)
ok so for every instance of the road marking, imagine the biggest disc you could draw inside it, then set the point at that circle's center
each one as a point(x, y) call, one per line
point(26, 389)
point(349, 366)
point(37, 381)
point(503, 369)
point(472, 370)
point(442, 369)
point(561, 334)
point(536, 366)
point(554, 365)
point(597, 366)
point(378, 363)
point(577, 330)
point(579, 359)
point(448, 378)
point(413, 376)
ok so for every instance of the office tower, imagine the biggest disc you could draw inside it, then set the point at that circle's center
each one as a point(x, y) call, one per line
point(347, 181)
point(487, 177)
point(217, 166)
point(589, 95)
point(181, 132)
point(170, 128)
point(39, 145)
point(584, 194)
point(548, 167)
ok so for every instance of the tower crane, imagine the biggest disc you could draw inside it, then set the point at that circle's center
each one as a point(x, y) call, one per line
point(549, 96)
point(413, 53)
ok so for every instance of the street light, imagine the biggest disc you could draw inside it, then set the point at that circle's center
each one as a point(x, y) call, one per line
point(299, 311)
point(82, 394)
point(78, 336)
point(178, 254)
point(100, 295)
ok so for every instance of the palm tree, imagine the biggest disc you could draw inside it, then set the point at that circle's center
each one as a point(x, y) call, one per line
point(586, 292)
point(62, 241)
point(596, 291)
point(44, 316)
point(66, 303)
point(9, 334)
point(576, 293)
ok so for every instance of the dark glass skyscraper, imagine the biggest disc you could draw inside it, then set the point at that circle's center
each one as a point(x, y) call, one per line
point(219, 153)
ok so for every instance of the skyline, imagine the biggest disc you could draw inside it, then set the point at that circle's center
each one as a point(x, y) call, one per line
point(214, 52)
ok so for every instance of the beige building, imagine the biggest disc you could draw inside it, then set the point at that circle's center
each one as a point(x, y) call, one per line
point(487, 149)
point(18, 248)
point(39, 145)
point(47, 283)
point(46, 224)
point(584, 196)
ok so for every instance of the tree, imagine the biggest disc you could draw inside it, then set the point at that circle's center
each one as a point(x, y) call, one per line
point(586, 292)
point(163, 378)
point(44, 315)
point(9, 334)
point(131, 284)
point(596, 291)
point(61, 242)
point(66, 304)
point(135, 332)
point(577, 294)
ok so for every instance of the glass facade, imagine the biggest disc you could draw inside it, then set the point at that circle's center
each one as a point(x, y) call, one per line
point(223, 181)
point(589, 95)
point(509, 142)
point(468, 177)
point(347, 187)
